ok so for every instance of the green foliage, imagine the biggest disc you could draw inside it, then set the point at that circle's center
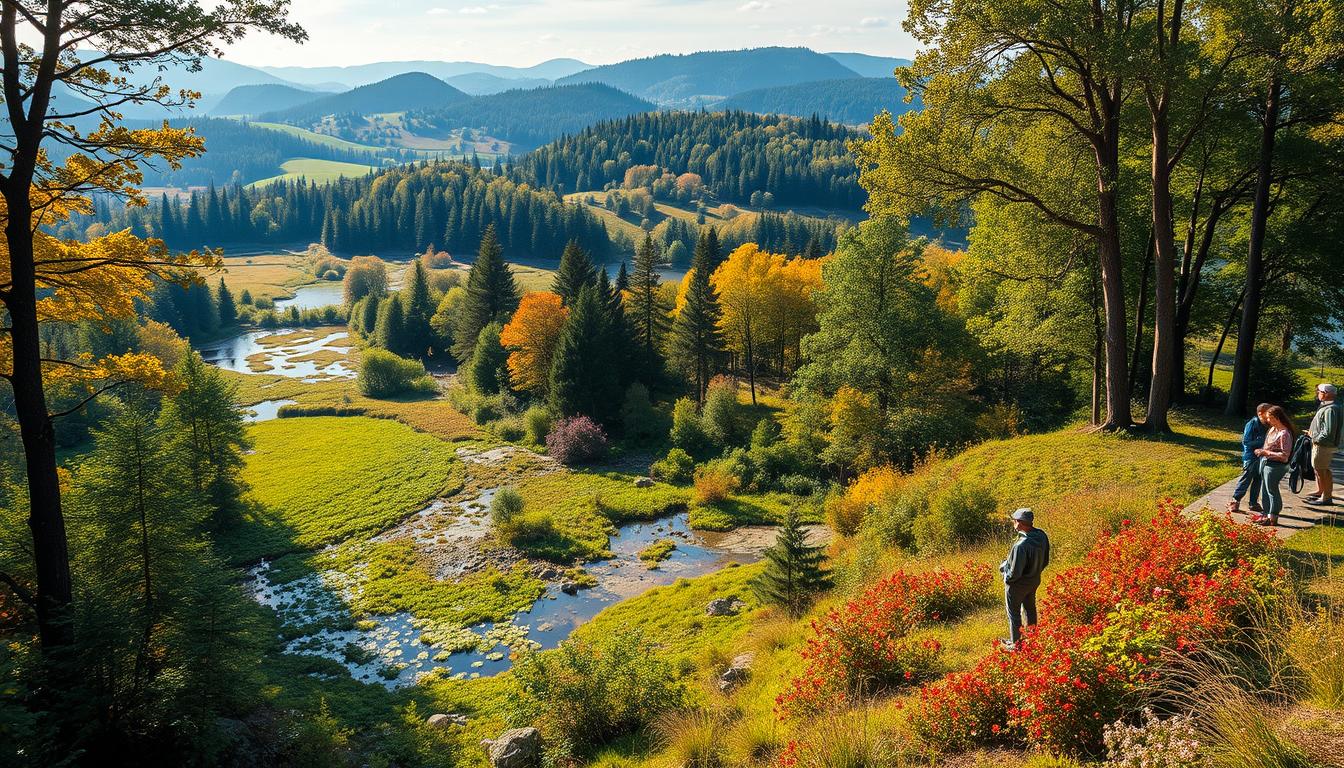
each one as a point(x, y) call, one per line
point(722, 415)
point(583, 381)
point(487, 371)
point(695, 343)
point(574, 273)
point(638, 418)
point(208, 433)
point(1275, 378)
point(586, 693)
point(492, 296)
point(793, 572)
point(390, 330)
point(687, 432)
point(648, 316)
point(384, 374)
point(506, 506)
point(537, 424)
point(677, 467)
point(658, 551)
point(958, 516)
point(228, 310)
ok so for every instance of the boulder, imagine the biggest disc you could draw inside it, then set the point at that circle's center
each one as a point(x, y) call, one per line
point(546, 573)
point(569, 588)
point(443, 722)
point(643, 482)
point(724, 606)
point(516, 748)
point(737, 673)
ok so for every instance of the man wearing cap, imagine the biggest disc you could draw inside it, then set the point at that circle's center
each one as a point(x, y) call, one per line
point(1324, 433)
point(1027, 558)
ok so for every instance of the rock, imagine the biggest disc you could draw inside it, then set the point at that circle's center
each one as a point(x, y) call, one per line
point(724, 606)
point(643, 482)
point(516, 748)
point(569, 588)
point(548, 574)
point(737, 673)
point(444, 722)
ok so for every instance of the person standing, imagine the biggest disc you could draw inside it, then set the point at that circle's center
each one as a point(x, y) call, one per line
point(1324, 433)
point(1027, 558)
point(1252, 437)
point(1277, 450)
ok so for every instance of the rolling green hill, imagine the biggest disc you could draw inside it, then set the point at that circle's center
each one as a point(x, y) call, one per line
point(413, 90)
point(852, 101)
point(530, 117)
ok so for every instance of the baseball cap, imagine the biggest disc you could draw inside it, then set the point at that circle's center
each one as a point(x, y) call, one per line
point(1327, 388)
point(1023, 515)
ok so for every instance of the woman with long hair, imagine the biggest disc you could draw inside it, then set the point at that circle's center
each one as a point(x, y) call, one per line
point(1274, 457)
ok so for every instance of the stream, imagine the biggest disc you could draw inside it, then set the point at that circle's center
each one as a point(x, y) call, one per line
point(314, 296)
point(397, 650)
point(299, 359)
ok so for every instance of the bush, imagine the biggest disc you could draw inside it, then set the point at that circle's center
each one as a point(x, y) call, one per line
point(537, 424)
point(1274, 378)
point(957, 517)
point(576, 440)
point(383, 374)
point(721, 418)
point(587, 692)
point(714, 483)
point(506, 506)
point(798, 485)
point(687, 432)
point(677, 467)
point(509, 429)
point(638, 418)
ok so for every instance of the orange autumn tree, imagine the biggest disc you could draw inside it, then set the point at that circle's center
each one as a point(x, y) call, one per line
point(531, 336)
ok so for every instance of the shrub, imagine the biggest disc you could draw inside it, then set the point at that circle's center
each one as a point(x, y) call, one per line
point(638, 418)
point(798, 485)
point(587, 692)
point(677, 467)
point(576, 440)
point(509, 429)
point(687, 432)
point(537, 423)
point(844, 514)
point(1154, 743)
point(506, 506)
point(383, 374)
point(721, 417)
point(714, 483)
point(957, 517)
point(868, 646)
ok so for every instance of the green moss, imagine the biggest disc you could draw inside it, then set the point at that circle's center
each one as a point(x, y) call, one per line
point(752, 509)
point(657, 552)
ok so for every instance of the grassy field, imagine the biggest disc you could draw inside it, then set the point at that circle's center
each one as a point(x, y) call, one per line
point(272, 275)
point(319, 138)
point(313, 169)
point(315, 481)
point(717, 216)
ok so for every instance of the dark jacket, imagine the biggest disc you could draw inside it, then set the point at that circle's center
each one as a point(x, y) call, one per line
point(1299, 464)
point(1252, 437)
point(1027, 558)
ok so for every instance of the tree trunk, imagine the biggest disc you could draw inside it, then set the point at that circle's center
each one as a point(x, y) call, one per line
point(1164, 281)
point(1139, 312)
point(1250, 311)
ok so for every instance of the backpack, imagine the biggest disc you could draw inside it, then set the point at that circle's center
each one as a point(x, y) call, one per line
point(1299, 464)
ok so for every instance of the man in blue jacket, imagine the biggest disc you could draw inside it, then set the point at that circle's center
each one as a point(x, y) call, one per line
point(1027, 558)
point(1252, 437)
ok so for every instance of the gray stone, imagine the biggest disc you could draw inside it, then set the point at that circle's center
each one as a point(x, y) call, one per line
point(643, 482)
point(737, 673)
point(516, 748)
point(569, 588)
point(724, 606)
point(547, 574)
point(443, 722)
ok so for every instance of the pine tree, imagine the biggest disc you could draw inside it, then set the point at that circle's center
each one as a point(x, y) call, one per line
point(646, 314)
point(622, 279)
point(793, 572)
point(228, 311)
point(419, 309)
point(492, 295)
point(695, 344)
point(390, 331)
point(488, 370)
point(583, 380)
point(209, 433)
point(246, 297)
point(713, 250)
point(575, 271)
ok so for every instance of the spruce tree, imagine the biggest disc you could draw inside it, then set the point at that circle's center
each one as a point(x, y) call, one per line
point(583, 380)
point(228, 311)
point(487, 370)
point(492, 295)
point(695, 344)
point(209, 433)
point(647, 315)
point(622, 279)
point(419, 309)
point(245, 297)
point(713, 250)
point(793, 572)
point(575, 271)
point(390, 331)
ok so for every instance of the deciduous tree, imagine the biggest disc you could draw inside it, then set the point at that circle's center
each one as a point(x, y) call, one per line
point(531, 337)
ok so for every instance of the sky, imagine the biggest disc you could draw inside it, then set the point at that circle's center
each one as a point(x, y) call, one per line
point(527, 32)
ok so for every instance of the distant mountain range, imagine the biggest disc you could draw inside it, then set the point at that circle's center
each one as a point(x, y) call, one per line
point(363, 74)
point(850, 100)
point(534, 116)
point(695, 79)
point(399, 93)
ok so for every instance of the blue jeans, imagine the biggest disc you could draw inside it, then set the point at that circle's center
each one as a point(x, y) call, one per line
point(1020, 599)
point(1271, 474)
point(1249, 481)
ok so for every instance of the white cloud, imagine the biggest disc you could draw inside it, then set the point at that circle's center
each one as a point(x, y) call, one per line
point(474, 10)
point(438, 11)
point(754, 5)
point(874, 22)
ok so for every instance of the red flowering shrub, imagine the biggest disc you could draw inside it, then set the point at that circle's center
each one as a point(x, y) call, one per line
point(867, 646)
point(1107, 625)
point(576, 440)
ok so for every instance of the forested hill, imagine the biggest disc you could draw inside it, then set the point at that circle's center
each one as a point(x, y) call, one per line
point(531, 116)
point(686, 80)
point(801, 162)
point(413, 90)
point(446, 203)
point(851, 100)
point(259, 99)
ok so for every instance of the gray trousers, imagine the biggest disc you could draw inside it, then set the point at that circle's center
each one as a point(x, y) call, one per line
point(1020, 599)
